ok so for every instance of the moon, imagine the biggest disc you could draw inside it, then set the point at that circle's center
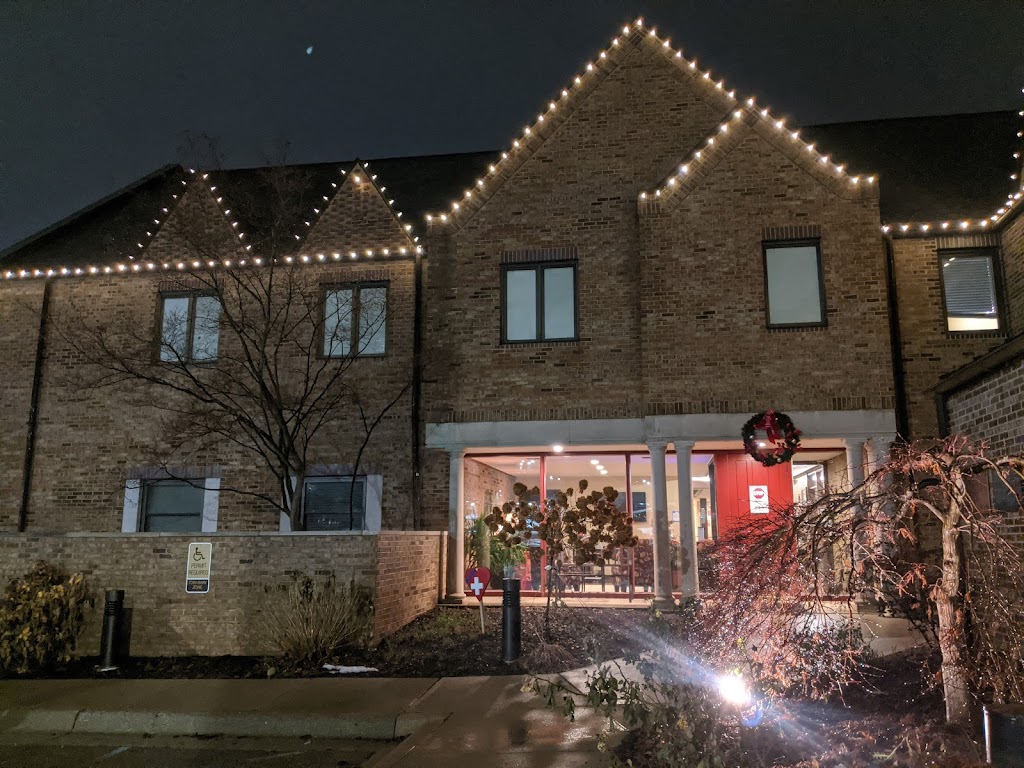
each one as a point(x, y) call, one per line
point(309, 50)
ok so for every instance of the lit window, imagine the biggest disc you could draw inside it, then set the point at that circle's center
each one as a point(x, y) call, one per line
point(190, 328)
point(539, 302)
point(334, 503)
point(969, 289)
point(355, 318)
point(793, 280)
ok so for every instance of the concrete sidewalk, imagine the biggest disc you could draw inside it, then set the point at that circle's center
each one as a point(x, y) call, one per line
point(439, 719)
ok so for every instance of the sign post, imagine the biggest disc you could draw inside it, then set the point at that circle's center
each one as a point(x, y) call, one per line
point(197, 568)
point(478, 579)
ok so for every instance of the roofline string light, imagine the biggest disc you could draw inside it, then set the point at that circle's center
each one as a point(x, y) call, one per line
point(1012, 202)
point(688, 66)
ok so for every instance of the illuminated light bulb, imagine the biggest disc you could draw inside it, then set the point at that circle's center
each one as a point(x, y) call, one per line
point(336, 255)
point(551, 105)
point(723, 128)
point(640, 21)
point(984, 222)
point(408, 227)
point(719, 84)
point(871, 179)
point(904, 227)
point(386, 252)
point(707, 75)
point(667, 42)
point(444, 217)
point(353, 254)
point(320, 256)
point(205, 176)
point(945, 225)
point(615, 41)
point(590, 67)
point(468, 194)
point(288, 259)
point(885, 228)
point(732, 94)
point(564, 93)
point(625, 30)
point(653, 32)
point(855, 180)
point(516, 143)
point(684, 169)
point(479, 182)
point(526, 130)
point(737, 114)
point(764, 112)
point(779, 124)
point(697, 154)
point(643, 195)
point(925, 227)
point(369, 252)
point(419, 249)
point(840, 168)
point(964, 224)
point(750, 101)
point(357, 180)
point(693, 64)
point(455, 206)
point(492, 168)
point(795, 135)
point(402, 250)
point(374, 177)
point(824, 159)
point(711, 140)
point(672, 181)
point(603, 55)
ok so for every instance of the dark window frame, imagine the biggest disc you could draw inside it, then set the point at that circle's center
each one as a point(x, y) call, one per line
point(192, 296)
point(144, 491)
point(356, 288)
point(538, 267)
point(997, 272)
point(361, 479)
point(767, 245)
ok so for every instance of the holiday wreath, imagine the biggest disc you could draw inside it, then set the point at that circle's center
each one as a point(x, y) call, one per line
point(770, 437)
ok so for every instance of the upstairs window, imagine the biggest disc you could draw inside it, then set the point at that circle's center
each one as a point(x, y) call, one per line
point(332, 504)
point(355, 320)
point(539, 302)
point(794, 286)
point(969, 290)
point(190, 328)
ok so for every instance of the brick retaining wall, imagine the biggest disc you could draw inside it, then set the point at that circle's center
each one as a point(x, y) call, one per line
point(402, 567)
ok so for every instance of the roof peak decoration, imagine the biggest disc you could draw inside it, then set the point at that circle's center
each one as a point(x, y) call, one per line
point(633, 35)
point(359, 176)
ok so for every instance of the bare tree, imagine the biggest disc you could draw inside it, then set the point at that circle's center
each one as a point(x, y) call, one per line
point(778, 575)
point(255, 348)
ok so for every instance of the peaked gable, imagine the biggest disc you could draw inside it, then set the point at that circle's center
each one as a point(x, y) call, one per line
point(199, 226)
point(359, 216)
point(635, 39)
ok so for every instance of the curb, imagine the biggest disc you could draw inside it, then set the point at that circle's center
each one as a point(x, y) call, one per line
point(375, 727)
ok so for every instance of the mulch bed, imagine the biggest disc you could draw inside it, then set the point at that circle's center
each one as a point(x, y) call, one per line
point(445, 642)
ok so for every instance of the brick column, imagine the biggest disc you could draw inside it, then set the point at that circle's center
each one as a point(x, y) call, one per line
point(687, 534)
point(662, 550)
point(455, 592)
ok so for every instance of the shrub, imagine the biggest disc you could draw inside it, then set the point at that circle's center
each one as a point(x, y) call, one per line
point(308, 622)
point(41, 618)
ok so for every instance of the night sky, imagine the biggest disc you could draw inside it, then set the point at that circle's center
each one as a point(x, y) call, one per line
point(95, 94)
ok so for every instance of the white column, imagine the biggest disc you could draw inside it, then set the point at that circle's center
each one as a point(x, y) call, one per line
point(662, 551)
point(455, 592)
point(878, 451)
point(687, 532)
point(854, 461)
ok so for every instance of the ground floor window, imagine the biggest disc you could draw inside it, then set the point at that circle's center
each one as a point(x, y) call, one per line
point(727, 487)
point(334, 503)
point(163, 504)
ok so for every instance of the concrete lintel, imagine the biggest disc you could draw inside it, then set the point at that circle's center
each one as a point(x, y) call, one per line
point(695, 427)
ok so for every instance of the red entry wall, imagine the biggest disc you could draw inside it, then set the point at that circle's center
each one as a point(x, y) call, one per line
point(734, 474)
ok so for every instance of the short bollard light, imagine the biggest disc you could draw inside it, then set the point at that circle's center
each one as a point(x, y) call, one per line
point(112, 610)
point(511, 620)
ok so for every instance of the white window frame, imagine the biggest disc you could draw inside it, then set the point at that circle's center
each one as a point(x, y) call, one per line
point(132, 510)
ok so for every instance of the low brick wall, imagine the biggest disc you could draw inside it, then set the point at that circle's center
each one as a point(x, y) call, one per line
point(404, 570)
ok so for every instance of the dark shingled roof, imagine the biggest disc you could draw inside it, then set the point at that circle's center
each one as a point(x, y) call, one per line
point(929, 168)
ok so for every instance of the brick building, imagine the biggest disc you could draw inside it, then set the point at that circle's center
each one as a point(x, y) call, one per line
point(653, 259)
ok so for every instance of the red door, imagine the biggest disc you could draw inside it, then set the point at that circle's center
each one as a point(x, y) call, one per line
point(745, 489)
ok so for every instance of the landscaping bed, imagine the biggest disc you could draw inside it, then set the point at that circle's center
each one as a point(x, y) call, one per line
point(444, 642)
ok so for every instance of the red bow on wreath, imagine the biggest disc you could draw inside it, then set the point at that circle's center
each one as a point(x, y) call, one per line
point(769, 425)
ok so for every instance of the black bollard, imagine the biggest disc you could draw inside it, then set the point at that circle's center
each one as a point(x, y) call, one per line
point(112, 610)
point(511, 621)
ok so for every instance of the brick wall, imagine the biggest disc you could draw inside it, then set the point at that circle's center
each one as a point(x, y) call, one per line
point(91, 438)
point(929, 351)
point(409, 578)
point(19, 324)
point(401, 567)
point(1012, 248)
point(991, 409)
